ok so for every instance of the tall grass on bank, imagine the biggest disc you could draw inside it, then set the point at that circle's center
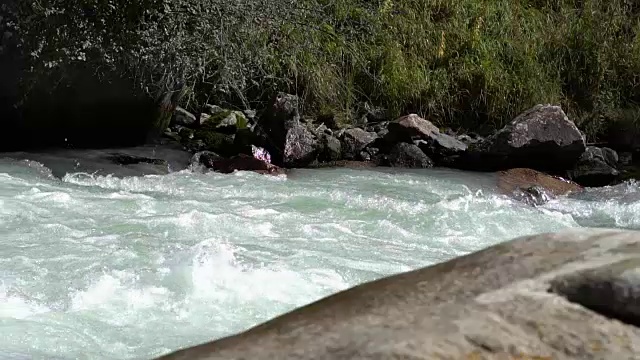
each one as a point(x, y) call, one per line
point(471, 64)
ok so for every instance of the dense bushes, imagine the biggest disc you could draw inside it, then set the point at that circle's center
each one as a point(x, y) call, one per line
point(461, 63)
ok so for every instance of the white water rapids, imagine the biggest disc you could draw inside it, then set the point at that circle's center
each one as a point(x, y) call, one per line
point(95, 267)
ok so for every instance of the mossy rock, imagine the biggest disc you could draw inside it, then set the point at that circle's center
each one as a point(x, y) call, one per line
point(222, 144)
point(226, 121)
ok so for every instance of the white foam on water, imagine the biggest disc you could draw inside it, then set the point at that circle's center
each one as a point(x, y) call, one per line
point(129, 268)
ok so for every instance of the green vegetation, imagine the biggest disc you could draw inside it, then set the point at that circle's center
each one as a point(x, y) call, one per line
point(462, 63)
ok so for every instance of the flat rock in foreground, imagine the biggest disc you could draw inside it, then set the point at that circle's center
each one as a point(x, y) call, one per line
point(571, 295)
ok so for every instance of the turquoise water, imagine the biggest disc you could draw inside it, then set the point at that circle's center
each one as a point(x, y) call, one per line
point(95, 267)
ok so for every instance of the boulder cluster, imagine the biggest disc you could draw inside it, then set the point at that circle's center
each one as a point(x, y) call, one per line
point(542, 138)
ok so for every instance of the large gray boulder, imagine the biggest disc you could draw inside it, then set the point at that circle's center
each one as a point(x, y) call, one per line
point(569, 295)
point(541, 138)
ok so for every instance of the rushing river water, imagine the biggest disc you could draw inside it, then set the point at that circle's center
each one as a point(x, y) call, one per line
point(95, 267)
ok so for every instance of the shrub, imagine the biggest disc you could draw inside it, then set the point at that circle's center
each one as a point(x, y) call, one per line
point(471, 64)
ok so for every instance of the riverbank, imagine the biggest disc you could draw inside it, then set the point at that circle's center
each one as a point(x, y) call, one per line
point(542, 139)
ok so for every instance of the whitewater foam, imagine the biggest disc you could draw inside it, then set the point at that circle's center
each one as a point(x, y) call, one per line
point(128, 268)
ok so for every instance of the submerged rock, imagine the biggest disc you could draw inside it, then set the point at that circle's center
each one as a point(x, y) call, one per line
point(408, 156)
point(242, 162)
point(534, 187)
point(565, 296)
point(533, 195)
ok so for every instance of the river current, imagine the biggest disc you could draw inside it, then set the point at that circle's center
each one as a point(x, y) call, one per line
point(100, 267)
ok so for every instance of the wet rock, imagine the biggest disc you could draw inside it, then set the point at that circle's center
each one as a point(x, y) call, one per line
point(533, 195)
point(204, 158)
point(128, 159)
point(541, 138)
point(373, 155)
point(242, 162)
point(409, 128)
point(596, 167)
point(183, 118)
point(301, 147)
point(408, 156)
point(570, 295)
point(354, 141)
point(533, 186)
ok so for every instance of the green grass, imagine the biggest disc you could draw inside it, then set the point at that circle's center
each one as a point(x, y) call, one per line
point(467, 64)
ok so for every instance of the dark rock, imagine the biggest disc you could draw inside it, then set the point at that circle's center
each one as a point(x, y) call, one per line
point(204, 158)
point(596, 167)
point(470, 139)
point(222, 144)
point(408, 156)
point(381, 128)
point(172, 135)
point(533, 195)
point(541, 138)
point(532, 186)
point(620, 281)
point(571, 295)
point(354, 141)
point(409, 128)
point(624, 136)
point(128, 159)
point(185, 133)
point(183, 118)
point(444, 149)
point(610, 156)
point(242, 162)
point(329, 120)
point(375, 114)
point(331, 149)
point(300, 148)
point(372, 154)
point(275, 124)
point(625, 158)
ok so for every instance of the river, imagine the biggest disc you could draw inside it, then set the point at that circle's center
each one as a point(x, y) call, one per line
point(100, 267)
